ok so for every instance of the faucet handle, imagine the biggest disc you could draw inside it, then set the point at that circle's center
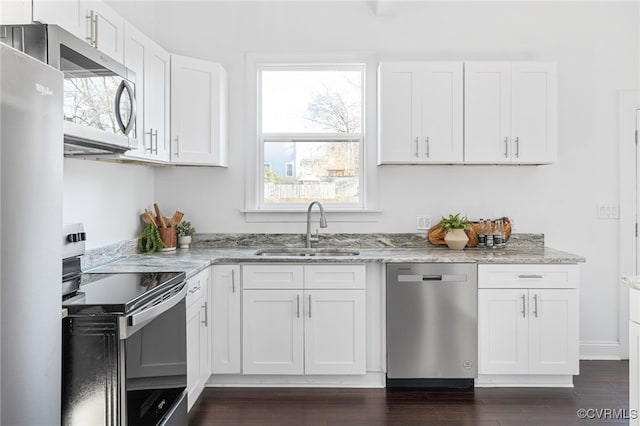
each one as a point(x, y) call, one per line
point(315, 238)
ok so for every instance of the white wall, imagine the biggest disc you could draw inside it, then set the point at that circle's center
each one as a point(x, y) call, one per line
point(107, 197)
point(594, 44)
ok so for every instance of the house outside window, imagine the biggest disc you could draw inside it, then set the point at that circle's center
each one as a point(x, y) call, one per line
point(310, 131)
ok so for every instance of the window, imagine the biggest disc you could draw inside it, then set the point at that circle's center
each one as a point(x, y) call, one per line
point(310, 130)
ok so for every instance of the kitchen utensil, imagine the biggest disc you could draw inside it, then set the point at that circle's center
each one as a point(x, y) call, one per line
point(176, 218)
point(159, 217)
point(147, 217)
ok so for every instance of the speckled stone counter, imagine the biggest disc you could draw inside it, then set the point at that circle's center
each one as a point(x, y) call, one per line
point(202, 254)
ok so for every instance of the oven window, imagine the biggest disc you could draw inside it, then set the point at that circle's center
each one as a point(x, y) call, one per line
point(90, 93)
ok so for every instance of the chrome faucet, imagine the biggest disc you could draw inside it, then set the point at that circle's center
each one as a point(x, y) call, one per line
point(323, 223)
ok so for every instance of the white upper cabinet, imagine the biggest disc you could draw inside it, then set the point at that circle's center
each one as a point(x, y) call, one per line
point(510, 112)
point(152, 66)
point(420, 107)
point(92, 21)
point(198, 112)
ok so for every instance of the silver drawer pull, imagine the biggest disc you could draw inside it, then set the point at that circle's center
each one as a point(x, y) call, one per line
point(524, 307)
point(537, 276)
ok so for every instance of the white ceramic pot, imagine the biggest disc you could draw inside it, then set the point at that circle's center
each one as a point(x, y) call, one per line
point(184, 242)
point(456, 239)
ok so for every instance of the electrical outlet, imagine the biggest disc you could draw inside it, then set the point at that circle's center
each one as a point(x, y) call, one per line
point(423, 222)
point(608, 211)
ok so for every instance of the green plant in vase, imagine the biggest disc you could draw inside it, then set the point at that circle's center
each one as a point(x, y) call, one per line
point(455, 225)
point(185, 231)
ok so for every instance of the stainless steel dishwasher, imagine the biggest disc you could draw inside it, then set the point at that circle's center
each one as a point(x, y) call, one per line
point(432, 324)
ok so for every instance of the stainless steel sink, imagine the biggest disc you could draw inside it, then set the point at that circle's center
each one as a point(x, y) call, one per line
point(309, 252)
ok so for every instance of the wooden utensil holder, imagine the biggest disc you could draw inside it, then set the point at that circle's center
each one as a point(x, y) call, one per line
point(168, 236)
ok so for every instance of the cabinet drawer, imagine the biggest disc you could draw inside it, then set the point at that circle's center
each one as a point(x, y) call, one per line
point(196, 286)
point(528, 276)
point(334, 277)
point(272, 277)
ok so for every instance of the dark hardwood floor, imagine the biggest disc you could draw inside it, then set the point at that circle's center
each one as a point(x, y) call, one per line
point(601, 385)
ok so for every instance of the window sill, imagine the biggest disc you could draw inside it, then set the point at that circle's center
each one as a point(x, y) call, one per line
point(339, 215)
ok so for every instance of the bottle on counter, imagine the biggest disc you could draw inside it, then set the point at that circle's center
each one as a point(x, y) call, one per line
point(503, 239)
point(488, 229)
point(482, 235)
point(498, 235)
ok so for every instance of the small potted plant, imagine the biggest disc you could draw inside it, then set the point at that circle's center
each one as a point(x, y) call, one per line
point(455, 225)
point(185, 231)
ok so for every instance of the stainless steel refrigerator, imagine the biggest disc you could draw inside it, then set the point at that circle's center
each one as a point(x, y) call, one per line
point(31, 161)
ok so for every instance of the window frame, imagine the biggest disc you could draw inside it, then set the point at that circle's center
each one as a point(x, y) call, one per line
point(255, 210)
point(301, 137)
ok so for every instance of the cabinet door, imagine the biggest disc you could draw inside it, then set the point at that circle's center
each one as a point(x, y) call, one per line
point(108, 29)
point(198, 356)
point(399, 119)
point(442, 112)
point(135, 58)
point(157, 101)
point(634, 370)
point(534, 112)
point(225, 319)
point(487, 110)
point(335, 332)
point(70, 15)
point(272, 332)
point(553, 332)
point(503, 336)
point(198, 112)
point(193, 349)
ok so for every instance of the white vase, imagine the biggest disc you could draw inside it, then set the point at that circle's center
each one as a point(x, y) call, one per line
point(456, 239)
point(184, 241)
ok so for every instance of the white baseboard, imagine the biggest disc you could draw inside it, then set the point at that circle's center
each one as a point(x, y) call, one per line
point(603, 350)
point(528, 381)
point(369, 380)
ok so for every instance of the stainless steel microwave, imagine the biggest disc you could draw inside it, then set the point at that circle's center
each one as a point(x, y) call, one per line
point(99, 92)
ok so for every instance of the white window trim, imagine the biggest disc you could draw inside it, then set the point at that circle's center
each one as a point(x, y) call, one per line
point(253, 211)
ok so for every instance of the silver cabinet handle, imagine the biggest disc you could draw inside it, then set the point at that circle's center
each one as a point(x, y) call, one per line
point(517, 142)
point(417, 142)
point(506, 147)
point(95, 31)
point(155, 136)
point(426, 146)
point(537, 276)
point(92, 28)
point(144, 141)
point(177, 139)
point(524, 308)
point(297, 306)
point(309, 306)
point(535, 305)
point(206, 314)
point(233, 281)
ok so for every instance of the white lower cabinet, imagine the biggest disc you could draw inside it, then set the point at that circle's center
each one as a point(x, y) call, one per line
point(304, 330)
point(634, 371)
point(198, 359)
point(634, 356)
point(225, 319)
point(527, 323)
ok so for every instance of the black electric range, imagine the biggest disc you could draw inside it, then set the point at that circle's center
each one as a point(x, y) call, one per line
point(122, 293)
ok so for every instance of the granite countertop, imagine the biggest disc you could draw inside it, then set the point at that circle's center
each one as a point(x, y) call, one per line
point(196, 259)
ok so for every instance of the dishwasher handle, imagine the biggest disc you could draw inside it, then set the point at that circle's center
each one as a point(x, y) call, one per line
point(433, 278)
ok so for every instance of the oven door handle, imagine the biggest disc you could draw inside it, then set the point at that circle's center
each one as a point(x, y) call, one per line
point(154, 311)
